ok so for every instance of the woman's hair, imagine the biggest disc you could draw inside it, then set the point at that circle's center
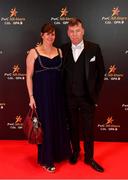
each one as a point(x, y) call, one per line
point(48, 28)
point(75, 21)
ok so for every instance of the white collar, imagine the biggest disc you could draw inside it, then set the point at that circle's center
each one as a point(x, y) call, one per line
point(80, 45)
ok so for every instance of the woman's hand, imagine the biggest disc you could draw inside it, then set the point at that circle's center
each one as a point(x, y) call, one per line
point(32, 103)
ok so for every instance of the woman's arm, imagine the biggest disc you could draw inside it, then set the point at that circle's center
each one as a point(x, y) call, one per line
point(29, 74)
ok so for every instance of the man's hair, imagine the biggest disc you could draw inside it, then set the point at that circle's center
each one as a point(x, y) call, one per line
point(75, 21)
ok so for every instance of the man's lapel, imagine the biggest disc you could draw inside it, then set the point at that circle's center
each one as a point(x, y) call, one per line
point(87, 58)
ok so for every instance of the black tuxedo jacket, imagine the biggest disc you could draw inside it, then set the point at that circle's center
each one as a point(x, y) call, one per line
point(94, 67)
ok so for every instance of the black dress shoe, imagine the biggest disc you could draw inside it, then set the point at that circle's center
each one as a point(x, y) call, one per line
point(74, 158)
point(95, 165)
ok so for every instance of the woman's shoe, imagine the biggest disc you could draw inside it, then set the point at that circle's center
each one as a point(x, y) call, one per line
point(50, 169)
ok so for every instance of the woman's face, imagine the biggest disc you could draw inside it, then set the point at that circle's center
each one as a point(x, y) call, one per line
point(48, 38)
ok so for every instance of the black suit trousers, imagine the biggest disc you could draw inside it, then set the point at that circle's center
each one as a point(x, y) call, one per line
point(80, 106)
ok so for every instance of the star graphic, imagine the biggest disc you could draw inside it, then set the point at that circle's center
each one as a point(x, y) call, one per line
point(112, 69)
point(13, 12)
point(16, 69)
point(18, 119)
point(109, 120)
point(115, 11)
point(63, 12)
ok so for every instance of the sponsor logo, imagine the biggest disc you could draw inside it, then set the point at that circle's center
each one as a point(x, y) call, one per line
point(17, 124)
point(62, 18)
point(115, 17)
point(15, 74)
point(108, 125)
point(13, 18)
point(112, 74)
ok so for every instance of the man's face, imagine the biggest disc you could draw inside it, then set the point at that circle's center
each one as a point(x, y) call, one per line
point(76, 33)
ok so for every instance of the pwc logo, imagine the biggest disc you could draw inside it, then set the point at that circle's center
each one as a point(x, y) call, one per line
point(112, 73)
point(13, 19)
point(15, 74)
point(108, 125)
point(114, 17)
point(17, 123)
point(62, 18)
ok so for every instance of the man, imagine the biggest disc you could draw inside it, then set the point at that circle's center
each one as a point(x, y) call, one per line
point(83, 70)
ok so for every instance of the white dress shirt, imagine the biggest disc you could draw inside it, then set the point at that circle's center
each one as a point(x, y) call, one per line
point(77, 49)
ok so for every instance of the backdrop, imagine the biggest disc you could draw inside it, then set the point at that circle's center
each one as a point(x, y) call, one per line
point(106, 23)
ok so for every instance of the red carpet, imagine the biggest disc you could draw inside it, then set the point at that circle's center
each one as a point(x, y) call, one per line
point(18, 161)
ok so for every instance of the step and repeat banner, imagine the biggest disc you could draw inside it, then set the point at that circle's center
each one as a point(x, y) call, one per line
point(106, 23)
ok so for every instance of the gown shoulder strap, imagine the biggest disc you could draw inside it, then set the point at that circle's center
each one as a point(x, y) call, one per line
point(36, 51)
point(59, 53)
point(39, 59)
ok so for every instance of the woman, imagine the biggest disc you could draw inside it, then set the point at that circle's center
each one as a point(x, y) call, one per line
point(46, 95)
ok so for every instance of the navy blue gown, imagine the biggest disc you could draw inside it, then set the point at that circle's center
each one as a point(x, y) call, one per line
point(48, 94)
